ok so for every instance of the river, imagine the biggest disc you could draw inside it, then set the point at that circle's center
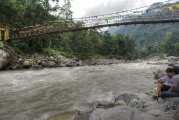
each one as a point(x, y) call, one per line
point(37, 94)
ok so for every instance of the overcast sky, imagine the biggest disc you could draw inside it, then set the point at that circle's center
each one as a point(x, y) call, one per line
point(84, 8)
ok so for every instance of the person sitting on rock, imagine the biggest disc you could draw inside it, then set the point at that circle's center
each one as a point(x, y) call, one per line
point(164, 83)
point(174, 90)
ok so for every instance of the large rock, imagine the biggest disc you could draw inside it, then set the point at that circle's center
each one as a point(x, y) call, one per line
point(120, 113)
point(172, 62)
point(4, 59)
point(27, 63)
point(159, 73)
point(51, 64)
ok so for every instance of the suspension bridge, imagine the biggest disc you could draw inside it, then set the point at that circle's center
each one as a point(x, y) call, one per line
point(167, 12)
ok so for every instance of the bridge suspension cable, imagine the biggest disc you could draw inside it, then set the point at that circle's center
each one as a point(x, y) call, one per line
point(167, 12)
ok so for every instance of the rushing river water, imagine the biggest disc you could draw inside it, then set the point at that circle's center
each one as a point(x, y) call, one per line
point(37, 94)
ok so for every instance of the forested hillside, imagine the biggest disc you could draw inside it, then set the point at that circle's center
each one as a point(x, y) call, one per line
point(151, 39)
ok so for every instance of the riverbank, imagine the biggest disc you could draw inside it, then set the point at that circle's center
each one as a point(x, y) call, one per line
point(39, 61)
point(57, 61)
point(9, 60)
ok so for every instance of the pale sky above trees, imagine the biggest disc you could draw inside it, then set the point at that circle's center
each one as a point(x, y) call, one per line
point(83, 8)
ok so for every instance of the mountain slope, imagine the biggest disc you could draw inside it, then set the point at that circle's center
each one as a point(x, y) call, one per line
point(146, 34)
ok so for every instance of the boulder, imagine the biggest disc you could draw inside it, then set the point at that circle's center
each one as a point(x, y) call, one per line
point(20, 61)
point(4, 59)
point(62, 65)
point(44, 64)
point(70, 64)
point(27, 64)
point(159, 73)
point(51, 64)
point(37, 67)
point(79, 63)
point(39, 62)
point(172, 62)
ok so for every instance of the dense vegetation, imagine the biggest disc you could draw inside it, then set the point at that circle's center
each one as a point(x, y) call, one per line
point(19, 14)
point(158, 39)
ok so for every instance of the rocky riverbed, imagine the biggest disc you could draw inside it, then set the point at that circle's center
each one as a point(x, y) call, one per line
point(9, 61)
point(57, 61)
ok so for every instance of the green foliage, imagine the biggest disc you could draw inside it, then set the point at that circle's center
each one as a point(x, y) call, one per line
point(162, 56)
point(171, 43)
point(21, 47)
point(119, 45)
point(52, 51)
point(84, 44)
point(26, 14)
point(8, 10)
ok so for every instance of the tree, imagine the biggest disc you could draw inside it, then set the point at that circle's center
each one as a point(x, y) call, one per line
point(170, 44)
point(106, 43)
point(8, 10)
